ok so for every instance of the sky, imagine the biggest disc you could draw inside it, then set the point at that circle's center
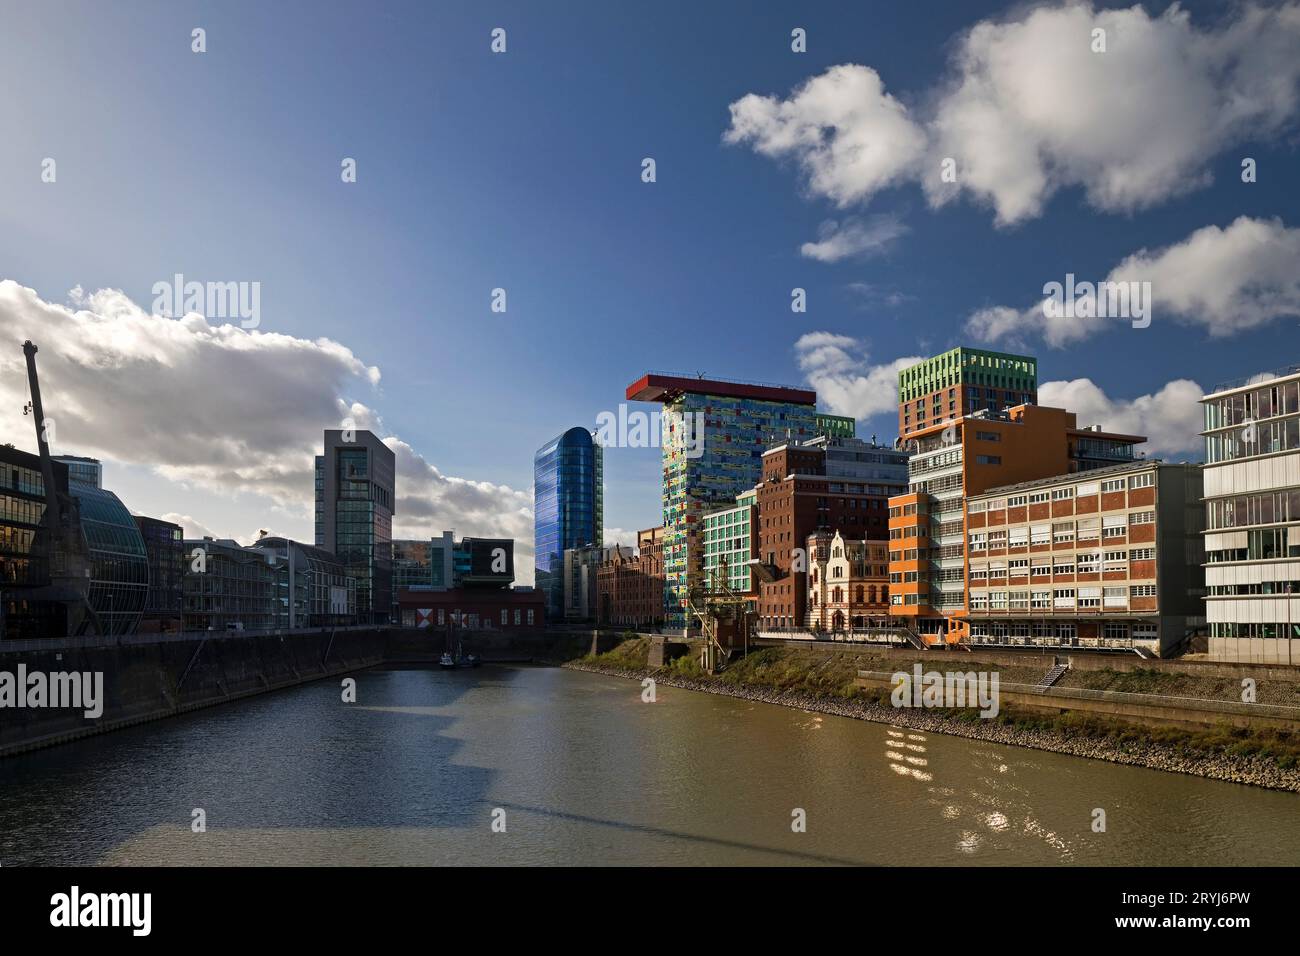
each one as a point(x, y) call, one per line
point(524, 171)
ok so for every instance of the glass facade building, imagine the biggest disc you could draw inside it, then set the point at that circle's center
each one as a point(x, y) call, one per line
point(164, 547)
point(736, 433)
point(1252, 514)
point(119, 564)
point(23, 564)
point(568, 508)
point(355, 498)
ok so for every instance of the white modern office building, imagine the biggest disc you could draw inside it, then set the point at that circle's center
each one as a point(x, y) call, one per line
point(1252, 503)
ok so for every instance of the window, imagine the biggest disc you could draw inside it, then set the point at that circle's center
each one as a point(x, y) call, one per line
point(1116, 561)
point(1019, 537)
point(1142, 554)
point(1018, 501)
point(1089, 597)
point(988, 459)
point(442, 616)
point(1142, 517)
point(1063, 566)
point(1040, 599)
point(978, 541)
point(1060, 494)
point(1063, 532)
point(1142, 481)
point(988, 436)
point(1041, 569)
point(1038, 497)
point(530, 615)
point(1114, 484)
point(505, 616)
point(1087, 488)
point(1142, 590)
point(1087, 563)
point(517, 615)
point(1113, 527)
point(1019, 568)
point(975, 507)
point(1115, 597)
point(1063, 597)
point(1040, 534)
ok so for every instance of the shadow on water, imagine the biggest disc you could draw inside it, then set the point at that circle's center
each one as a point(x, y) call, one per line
point(679, 835)
point(295, 758)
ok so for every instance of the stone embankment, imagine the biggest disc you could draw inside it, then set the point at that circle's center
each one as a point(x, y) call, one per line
point(1255, 771)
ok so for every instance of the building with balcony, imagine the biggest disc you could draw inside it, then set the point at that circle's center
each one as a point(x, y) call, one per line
point(227, 586)
point(312, 586)
point(164, 548)
point(1252, 515)
point(1108, 558)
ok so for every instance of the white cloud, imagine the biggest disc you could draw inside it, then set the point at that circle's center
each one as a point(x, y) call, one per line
point(838, 367)
point(849, 136)
point(1223, 280)
point(853, 238)
point(1170, 418)
point(220, 409)
point(1226, 280)
point(1028, 109)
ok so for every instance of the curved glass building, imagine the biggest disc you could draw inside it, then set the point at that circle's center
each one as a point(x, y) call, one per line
point(568, 508)
point(119, 566)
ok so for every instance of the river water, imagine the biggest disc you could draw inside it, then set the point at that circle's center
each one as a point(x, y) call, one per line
point(581, 771)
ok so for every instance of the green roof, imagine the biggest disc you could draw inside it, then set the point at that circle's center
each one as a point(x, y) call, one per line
point(966, 366)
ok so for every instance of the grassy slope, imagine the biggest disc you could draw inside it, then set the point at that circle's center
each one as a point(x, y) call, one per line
point(830, 673)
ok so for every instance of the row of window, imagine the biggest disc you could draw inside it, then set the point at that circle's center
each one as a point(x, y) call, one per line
point(1117, 597)
point(1083, 490)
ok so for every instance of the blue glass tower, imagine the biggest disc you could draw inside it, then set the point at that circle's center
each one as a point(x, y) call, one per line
point(568, 508)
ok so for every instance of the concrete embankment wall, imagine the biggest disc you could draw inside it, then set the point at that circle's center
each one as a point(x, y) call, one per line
point(150, 678)
point(1078, 660)
point(1140, 708)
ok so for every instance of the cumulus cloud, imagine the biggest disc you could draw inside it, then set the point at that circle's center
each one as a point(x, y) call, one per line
point(838, 367)
point(1028, 108)
point(220, 409)
point(849, 137)
point(853, 238)
point(1222, 280)
point(1169, 418)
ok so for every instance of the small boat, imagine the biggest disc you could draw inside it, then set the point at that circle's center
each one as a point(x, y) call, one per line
point(470, 660)
point(446, 662)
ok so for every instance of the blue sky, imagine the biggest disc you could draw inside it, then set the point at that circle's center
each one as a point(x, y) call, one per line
point(522, 171)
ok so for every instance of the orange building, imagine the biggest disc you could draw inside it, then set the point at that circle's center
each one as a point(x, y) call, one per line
point(966, 455)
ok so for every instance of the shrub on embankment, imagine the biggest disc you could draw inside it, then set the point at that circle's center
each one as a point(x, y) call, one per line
point(830, 673)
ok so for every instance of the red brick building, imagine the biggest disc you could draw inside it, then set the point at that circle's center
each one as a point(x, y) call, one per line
point(630, 584)
point(474, 609)
point(795, 499)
